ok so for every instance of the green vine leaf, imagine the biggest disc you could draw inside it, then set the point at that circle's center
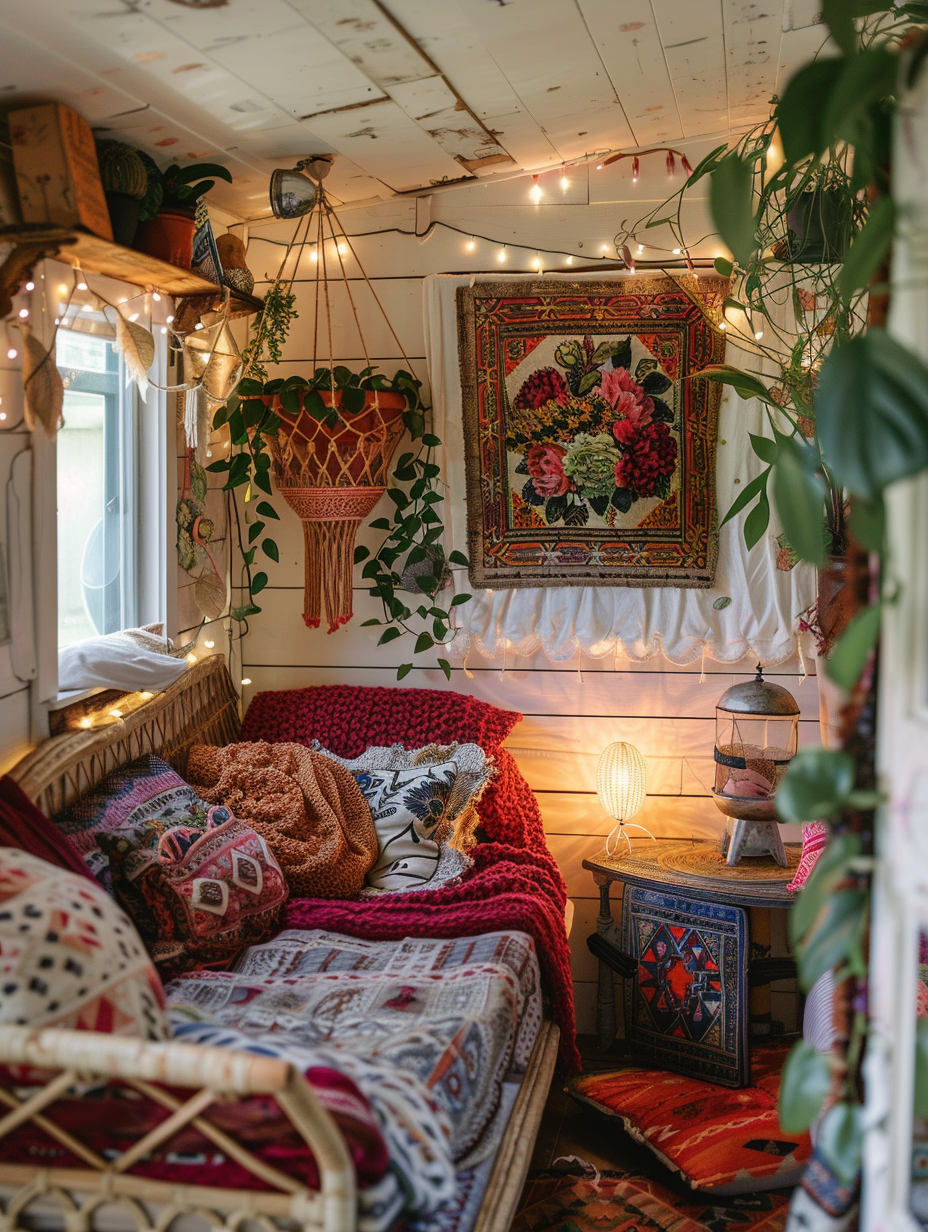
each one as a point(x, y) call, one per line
point(258, 583)
point(743, 383)
point(799, 492)
point(841, 1140)
point(817, 784)
point(730, 195)
point(403, 671)
point(270, 548)
point(445, 667)
point(266, 510)
point(804, 1084)
point(848, 659)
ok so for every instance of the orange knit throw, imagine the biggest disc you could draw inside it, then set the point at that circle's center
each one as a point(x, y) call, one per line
point(307, 807)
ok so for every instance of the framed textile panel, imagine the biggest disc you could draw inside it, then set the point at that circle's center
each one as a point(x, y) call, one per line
point(686, 1009)
point(590, 452)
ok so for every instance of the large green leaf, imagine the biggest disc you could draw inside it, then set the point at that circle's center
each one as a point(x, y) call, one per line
point(731, 199)
point(865, 79)
point(804, 1083)
point(840, 1140)
point(868, 251)
point(836, 938)
point(799, 493)
point(800, 110)
point(849, 656)
point(921, 1067)
point(745, 385)
point(839, 18)
point(815, 785)
point(871, 410)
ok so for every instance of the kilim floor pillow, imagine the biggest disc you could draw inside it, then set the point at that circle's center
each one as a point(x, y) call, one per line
point(727, 1141)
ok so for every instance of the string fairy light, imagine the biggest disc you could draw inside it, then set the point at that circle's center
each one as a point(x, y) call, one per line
point(535, 190)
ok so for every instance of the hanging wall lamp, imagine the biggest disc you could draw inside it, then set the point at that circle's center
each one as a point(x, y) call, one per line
point(294, 193)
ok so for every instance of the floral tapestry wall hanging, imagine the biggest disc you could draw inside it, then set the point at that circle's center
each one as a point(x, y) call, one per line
point(590, 448)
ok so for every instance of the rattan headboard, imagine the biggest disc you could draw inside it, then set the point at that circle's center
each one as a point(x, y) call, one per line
point(201, 708)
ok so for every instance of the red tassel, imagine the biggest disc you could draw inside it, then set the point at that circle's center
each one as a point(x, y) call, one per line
point(685, 163)
point(628, 258)
point(636, 168)
point(671, 163)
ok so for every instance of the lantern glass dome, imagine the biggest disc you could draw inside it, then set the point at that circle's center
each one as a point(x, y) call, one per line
point(756, 737)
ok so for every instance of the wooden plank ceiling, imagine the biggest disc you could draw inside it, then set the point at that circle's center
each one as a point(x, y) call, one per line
point(407, 93)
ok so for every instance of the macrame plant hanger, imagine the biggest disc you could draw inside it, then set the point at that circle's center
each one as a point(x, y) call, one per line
point(332, 469)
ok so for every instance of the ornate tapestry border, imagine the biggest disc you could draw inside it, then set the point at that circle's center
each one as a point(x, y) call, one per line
point(632, 576)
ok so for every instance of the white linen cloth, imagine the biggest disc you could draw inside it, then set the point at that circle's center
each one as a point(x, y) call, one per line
point(614, 620)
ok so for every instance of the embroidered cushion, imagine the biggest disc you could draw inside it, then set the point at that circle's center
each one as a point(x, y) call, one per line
point(198, 895)
point(351, 718)
point(69, 957)
point(728, 1141)
point(129, 798)
point(422, 802)
point(814, 841)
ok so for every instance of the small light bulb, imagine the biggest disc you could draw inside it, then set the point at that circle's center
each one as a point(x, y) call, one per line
point(134, 316)
point(87, 307)
point(535, 190)
point(470, 245)
point(536, 263)
point(209, 453)
point(82, 286)
point(199, 325)
point(146, 696)
point(246, 680)
point(2, 416)
point(115, 713)
point(569, 261)
point(677, 251)
point(62, 289)
point(604, 248)
point(640, 249)
point(123, 300)
point(342, 248)
point(722, 326)
point(156, 297)
point(57, 321)
point(12, 353)
point(30, 286)
point(501, 255)
point(758, 334)
point(191, 658)
point(599, 166)
point(23, 313)
point(565, 183)
point(164, 329)
point(85, 723)
point(169, 320)
point(314, 256)
point(210, 644)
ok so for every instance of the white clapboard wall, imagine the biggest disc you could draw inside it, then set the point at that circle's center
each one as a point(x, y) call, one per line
point(571, 710)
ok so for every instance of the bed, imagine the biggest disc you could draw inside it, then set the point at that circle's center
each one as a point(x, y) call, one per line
point(188, 1078)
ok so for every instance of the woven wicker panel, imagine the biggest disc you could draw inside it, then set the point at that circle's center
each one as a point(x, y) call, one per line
point(201, 708)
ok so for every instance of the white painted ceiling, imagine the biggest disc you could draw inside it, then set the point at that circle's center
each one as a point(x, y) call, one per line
point(406, 93)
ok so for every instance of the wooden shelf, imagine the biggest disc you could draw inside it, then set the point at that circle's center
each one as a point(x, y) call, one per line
point(98, 256)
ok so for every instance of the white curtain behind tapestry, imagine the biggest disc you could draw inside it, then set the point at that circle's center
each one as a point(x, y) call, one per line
point(600, 621)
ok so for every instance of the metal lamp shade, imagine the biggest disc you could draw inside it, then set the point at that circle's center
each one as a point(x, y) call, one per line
point(212, 354)
point(292, 193)
point(621, 782)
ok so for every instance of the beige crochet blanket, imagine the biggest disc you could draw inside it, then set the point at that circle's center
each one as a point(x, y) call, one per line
point(307, 807)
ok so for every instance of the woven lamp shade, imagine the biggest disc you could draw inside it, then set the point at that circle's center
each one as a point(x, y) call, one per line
point(620, 780)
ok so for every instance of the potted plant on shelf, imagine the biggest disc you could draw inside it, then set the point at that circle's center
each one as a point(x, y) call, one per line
point(125, 181)
point(169, 235)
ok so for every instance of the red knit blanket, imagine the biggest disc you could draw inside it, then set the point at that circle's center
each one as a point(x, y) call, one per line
point(515, 884)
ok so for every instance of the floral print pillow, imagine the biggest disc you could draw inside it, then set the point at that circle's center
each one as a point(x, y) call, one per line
point(422, 802)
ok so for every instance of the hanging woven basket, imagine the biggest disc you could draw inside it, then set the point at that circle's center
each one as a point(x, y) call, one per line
point(332, 477)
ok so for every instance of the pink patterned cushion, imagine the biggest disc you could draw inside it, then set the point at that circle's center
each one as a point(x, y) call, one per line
point(814, 841)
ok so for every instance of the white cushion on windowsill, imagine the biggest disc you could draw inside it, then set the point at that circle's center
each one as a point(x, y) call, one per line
point(134, 660)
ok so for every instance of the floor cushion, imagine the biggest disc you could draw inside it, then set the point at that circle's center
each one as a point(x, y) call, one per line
point(69, 956)
point(726, 1141)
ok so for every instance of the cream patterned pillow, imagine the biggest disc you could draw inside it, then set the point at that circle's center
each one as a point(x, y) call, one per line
point(422, 802)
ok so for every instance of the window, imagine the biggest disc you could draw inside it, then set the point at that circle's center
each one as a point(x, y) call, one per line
point(97, 482)
point(111, 493)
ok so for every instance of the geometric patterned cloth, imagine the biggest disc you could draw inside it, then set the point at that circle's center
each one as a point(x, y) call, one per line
point(69, 957)
point(726, 1141)
point(686, 1008)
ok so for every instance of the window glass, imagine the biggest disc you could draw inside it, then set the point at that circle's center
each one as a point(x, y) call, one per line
point(96, 492)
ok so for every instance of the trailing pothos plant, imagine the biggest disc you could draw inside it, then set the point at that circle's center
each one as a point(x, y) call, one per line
point(858, 423)
point(410, 556)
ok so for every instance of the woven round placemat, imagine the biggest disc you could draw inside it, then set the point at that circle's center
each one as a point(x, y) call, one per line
point(705, 860)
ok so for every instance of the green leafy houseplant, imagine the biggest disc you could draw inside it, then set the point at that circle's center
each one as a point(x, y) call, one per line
point(856, 403)
point(410, 556)
point(184, 186)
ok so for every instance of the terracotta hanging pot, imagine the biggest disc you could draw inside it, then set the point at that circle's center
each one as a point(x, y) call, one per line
point(836, 601)
point(332, 477)
point(169, 236)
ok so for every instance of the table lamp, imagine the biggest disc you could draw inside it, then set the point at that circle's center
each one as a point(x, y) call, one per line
point(621, 787)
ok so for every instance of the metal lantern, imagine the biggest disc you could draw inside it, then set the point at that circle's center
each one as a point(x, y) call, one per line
point(756, 736)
